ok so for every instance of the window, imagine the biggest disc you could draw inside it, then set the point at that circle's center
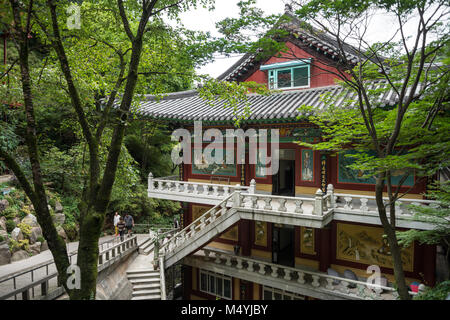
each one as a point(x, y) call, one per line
point(292, 74)
point(216, 284)
point(270, 293)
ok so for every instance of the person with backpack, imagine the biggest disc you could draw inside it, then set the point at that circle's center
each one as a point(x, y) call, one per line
point(121, 228)
point(129, 223)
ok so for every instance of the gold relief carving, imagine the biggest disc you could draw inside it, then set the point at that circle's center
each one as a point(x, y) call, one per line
point(197, 211)
point(367, 245)
point(261, 233)
point(307, 240)
point(231, 234)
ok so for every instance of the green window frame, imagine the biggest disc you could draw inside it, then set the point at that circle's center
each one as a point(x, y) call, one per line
point(276, 76)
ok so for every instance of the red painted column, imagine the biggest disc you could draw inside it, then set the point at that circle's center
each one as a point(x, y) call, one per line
point(429, 266)
point(324, 248)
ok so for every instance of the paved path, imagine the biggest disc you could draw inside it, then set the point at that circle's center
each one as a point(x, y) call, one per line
point(43, 259)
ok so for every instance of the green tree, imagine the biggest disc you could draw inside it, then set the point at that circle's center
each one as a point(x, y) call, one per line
point(100, 65)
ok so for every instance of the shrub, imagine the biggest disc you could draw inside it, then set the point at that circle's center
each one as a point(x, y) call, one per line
point(40, 239)
point(9, 213)
point(10, 225)
point(17, 245)
point(2, 239)
point(26, 229)
point(71, 231)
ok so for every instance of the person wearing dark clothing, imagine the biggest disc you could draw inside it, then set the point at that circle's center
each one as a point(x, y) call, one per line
point(121, 228)
point(129, 223)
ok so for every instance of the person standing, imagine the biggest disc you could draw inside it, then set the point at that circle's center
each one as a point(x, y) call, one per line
point(129, 223)
point(121, 228)
point(116, 221)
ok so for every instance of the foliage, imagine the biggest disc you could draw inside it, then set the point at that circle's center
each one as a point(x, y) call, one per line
point(439, 292)
point(19, 245)
point(10, 225)
point(40, 239)
point(25, 228)
point(2, 239)
point(9, 213)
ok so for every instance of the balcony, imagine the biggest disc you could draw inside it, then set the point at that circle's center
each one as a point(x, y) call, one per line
point(297, 280)
point(314, 212)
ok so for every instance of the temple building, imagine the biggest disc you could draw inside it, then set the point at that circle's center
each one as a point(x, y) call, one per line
point(311, 229)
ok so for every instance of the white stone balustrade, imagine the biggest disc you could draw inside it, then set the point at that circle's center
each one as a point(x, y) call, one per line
point(351, 288)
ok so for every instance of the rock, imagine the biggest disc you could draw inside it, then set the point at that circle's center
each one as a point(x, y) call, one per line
point(44, 246)
point(36, 232)
point(2, 223)
point(4, 234)
point(16, 234)
point(35, 248)
point(349, 274)
point(19, 255)
point(30, 220)
point(61, 232)
point(58, 207)
point(333, 273)
point(59, 218)
point(3, 205)
point(5, 254)
point(16, 220)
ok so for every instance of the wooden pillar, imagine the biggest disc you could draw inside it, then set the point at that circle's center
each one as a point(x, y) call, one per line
point(324, 248)
point(244, 237)
point(187, 282)
point(429, 268)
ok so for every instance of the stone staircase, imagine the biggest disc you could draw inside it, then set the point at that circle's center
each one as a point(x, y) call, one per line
point(146, 284)
point(201, 231)
point(146, 247)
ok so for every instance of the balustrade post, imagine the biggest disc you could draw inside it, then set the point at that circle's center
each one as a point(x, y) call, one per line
point(151, 187)
point(250, 266)
point(252, 189)
point(348, 203)
point(239, 263)
point(364, 206)
point(282, 206)
point(195, 187)
point(287, 274)
point(262, 268)
point(218, 260)
point(237, 199)
point(226, 191)
point(228, 263)
point(330, 193)
point(215, 190)
point(318, 203)
point(274, 271)
point(301, 277)
point(315, 282)
point(329, 285)
point(298, 206)
point(268, 205)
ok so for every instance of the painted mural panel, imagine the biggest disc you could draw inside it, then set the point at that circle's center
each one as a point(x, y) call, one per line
point(366, 245)
point(261, 233)
point(348, 175)
point(223, 169)
point(307, 165)
point(307, 243)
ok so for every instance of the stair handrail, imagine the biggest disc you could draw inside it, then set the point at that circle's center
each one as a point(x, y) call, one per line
point(193, 223)
point(162, 278)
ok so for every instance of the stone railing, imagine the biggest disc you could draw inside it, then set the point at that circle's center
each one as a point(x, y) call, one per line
point(366, 204)
point(322, 282)
point(111, 254)
point(198, 224)
point(195, 189)
point(48, 286)
point(296, 205)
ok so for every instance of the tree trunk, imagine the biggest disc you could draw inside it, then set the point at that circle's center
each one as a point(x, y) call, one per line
point(392, 240)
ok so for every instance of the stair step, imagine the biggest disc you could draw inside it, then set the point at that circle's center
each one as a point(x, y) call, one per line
point(144, 281)
point(149, 297)
point(141, 271)
point(148, 286)
point(146, 292)
point(143, 275)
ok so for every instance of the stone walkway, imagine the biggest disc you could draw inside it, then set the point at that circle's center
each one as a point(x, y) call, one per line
point(41, 259)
